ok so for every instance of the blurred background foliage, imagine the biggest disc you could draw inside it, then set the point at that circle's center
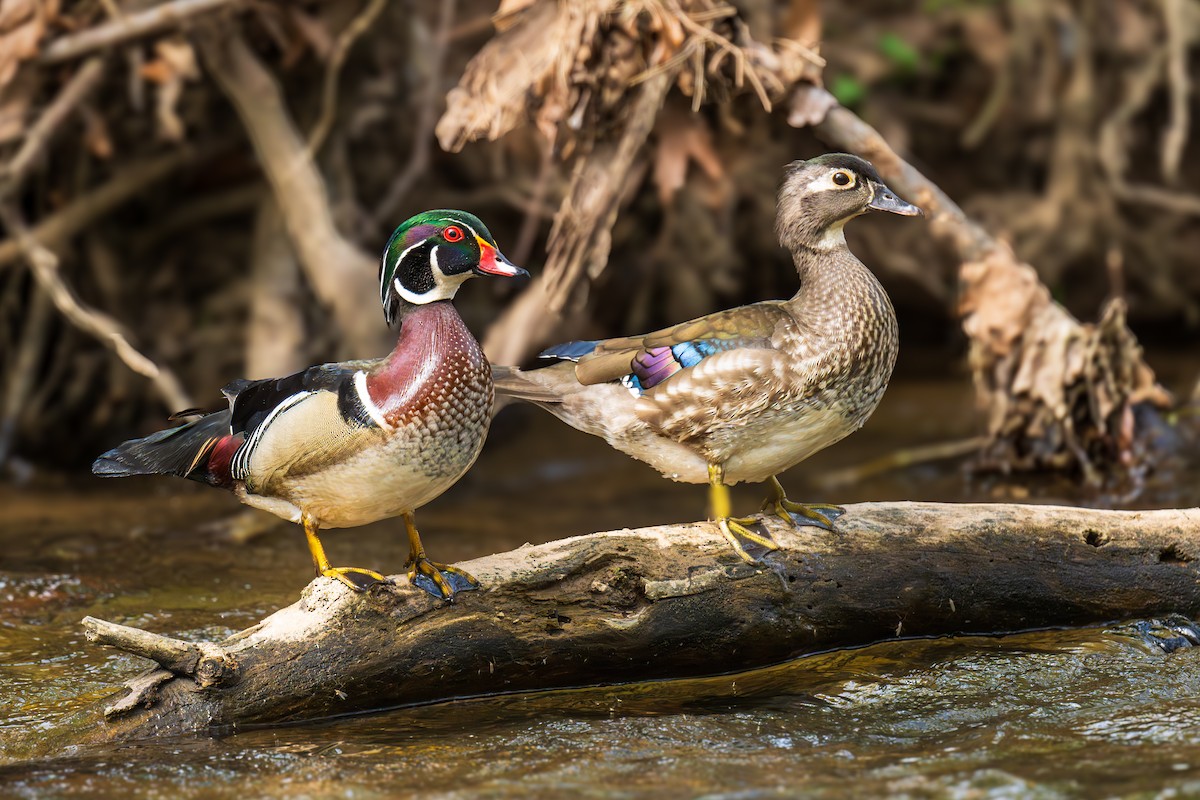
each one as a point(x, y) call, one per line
point(206, 183)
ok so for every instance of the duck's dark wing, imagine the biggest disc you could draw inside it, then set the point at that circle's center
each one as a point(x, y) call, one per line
point(252, 403)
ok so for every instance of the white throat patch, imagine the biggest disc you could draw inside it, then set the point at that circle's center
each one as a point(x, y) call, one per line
point(833, 237)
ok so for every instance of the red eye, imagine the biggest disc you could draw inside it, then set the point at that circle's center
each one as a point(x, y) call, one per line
point(453, 234)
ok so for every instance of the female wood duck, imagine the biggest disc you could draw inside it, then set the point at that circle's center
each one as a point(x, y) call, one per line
point(340, 445)
point(742, 395)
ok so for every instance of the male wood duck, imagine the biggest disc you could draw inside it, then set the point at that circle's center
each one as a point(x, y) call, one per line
point(744, 394)
point(340, 445)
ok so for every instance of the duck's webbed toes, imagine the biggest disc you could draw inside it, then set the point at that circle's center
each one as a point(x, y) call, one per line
point(443, 581)
point(356, 578)
point(818, 515)
point(744, 540)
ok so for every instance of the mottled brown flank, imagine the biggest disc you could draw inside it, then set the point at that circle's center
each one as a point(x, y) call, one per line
point(835, 350)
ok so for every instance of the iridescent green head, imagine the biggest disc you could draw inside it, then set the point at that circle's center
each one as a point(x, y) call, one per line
point(431, 254)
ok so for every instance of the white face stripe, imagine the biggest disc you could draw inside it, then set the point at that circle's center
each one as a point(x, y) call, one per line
point(396, 266)
point(444, 286)
point(364, 397)
point(459, 222)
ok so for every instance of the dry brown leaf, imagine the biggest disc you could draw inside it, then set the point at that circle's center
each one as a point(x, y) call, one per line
point(509, 7)
point(175, 64)
point(682, 138)
point(314, 31)
point(528, 63)
point(16, 98)
point(95, 133)
point(22, 25)
point(999, 298)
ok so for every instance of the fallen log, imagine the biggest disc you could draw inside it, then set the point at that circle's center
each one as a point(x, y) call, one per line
point(658, 603)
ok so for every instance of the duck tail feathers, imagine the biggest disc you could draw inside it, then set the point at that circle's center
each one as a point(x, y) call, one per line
point(186, 451)
point(514, 383)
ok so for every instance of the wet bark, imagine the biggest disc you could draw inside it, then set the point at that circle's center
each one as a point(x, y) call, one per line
point(656, 603)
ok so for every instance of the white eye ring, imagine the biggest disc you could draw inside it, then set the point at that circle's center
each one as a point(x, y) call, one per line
point(843, 179)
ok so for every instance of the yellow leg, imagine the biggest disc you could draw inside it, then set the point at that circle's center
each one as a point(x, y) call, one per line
point(820, 515)
point(356, 578)
point(446, 579)
point(734, 528)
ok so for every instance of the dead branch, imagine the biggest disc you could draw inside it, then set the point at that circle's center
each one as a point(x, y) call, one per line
point(346, 39)
point(44, 265)
point(77, 215)
point(581, 237)
point(418, 159)
point(207, 662)
point(42, 132)
point(664, 602)
point(127, 27)
point(21, 373)
point(901, 459)
point(1175, 137)
point(582, 234)
point(340, 273)
point(1058, 394)
point(275, 333)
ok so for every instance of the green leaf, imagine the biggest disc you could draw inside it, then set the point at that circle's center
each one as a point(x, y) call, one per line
point(902, 54)
point(848, 89)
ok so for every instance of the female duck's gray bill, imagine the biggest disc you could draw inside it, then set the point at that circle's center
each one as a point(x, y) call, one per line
point(886, 200)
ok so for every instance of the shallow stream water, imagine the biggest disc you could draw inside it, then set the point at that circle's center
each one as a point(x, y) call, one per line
point(1079, 713)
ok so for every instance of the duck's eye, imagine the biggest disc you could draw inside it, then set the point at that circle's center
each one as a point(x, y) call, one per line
point(842, 178)
point(453, 234)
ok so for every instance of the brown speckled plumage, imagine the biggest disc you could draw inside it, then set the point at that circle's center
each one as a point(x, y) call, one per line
point(804, 372)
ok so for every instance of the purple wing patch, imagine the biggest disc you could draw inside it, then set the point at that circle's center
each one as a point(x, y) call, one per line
point(654, 366)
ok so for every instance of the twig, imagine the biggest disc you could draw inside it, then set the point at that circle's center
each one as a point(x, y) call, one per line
point(907, 457)
point(418, 160)
point(43, 131)
point(997, 97)
point(131, 181)
point(842, 128)
point(346, 39)
point(122, 30)
point(582, 233)
point(44, 265)
point(1173, 200)
point(20, 374)
point(341, 273)
point(742, 69)
point(1176, 135)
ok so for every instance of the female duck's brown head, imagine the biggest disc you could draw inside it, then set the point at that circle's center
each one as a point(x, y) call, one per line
point(820, 195)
